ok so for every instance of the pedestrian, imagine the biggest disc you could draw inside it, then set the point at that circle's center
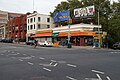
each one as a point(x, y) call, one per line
point(35, 43)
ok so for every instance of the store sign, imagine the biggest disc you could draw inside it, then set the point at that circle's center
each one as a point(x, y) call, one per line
point(61, 16)
point(84, 12)
point(45, 31)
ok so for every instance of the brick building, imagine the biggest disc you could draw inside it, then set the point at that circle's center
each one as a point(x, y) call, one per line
point(4, 18)
point(17, 28)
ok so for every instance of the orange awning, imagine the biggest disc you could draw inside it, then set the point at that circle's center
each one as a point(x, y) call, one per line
point(43, 35)
point(82, 33)
point(77, 33)
point(63, 34)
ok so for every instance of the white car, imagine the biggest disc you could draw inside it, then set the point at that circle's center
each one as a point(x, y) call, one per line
point(46, 43)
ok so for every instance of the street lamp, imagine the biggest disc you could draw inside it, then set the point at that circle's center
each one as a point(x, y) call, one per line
point(99, 24)
point(98, 27)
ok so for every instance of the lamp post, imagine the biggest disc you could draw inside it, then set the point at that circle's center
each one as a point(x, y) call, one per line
point(98, 27)
point(99, 24)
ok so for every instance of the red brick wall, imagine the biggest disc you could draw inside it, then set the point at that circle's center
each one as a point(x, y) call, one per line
point(18, 21)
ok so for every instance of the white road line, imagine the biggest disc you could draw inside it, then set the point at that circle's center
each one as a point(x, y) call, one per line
point(41, 58)
point(70, 78)
point(2, 54)
point(99, 78)
point(24, 54)
point(30, 63)
point(108, 78)
point(98, 71)
point(47, 69)
point(20, 59)
point(91, 79)
point(18, 53)
point(32, 56)
point(53, 61)
point(56, 64)
point(72, 65)
point(8, 51)
point(61, 62)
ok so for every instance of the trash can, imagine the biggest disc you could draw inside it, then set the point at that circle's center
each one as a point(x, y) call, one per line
point(69, 45)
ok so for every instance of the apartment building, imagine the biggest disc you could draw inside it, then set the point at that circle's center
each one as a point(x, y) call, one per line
point(17, 28)
point(37, 22)
point(4, 18)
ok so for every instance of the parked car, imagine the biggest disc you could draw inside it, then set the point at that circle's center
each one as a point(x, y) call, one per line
point(46, 44)
point(116, 45)
point(30, 42)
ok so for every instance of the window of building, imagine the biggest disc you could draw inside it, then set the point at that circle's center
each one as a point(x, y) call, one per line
point(28, 20)
point(48, 19)
point(31, 20)
point(38, 26)
point(31, 26)
point(34, 26)
point(34, 19)
point(28, 27)
point(48, 26)
point(39, 19)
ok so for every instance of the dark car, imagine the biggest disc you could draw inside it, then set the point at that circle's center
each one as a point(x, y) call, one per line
point(30, 42)
point(116, 45)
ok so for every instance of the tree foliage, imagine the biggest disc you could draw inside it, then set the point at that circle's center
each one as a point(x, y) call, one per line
point(109, 14)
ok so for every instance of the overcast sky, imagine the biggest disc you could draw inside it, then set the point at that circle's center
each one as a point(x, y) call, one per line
point(24, 6)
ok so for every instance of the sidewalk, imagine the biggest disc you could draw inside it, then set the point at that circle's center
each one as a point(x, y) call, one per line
point(83, 47)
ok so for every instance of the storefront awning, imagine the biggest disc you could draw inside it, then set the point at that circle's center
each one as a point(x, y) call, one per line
point(82, 33)
point(63, 34)
point(77, 33)
point(43, 35)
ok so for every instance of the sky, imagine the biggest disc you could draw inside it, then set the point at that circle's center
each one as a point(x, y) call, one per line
point(24, 6)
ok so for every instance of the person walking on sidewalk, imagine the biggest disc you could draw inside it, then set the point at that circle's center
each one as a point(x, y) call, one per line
point(35, 43)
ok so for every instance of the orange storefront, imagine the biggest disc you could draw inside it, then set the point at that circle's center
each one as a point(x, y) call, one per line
point(78, 38)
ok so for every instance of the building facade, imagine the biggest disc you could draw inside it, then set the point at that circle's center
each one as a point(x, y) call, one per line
point(4, 18)
point(80, 35)
point(17, 28)
point(36, 22)
point(3, 22)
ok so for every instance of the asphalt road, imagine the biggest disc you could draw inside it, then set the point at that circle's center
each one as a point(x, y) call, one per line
point(21, 62)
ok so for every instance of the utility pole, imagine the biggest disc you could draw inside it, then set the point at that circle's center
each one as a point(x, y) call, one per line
point(99, 24)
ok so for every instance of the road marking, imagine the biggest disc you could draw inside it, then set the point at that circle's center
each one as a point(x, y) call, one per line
point(24, 54)
point(20, 59)
point(108, 78)
point(8, 51)
point(98, 71)
point(46, 65)
point(47, 69)
point(30, 63)
point(70, 78)
point(61, 62)
point(56, 64)
point(99, 78)
point(2, 54)
point(91, 79)
point(32, 56)
point(53, 61)
point(25, 57)
point(18, 53)
point(72, 65)
point(41, 58)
